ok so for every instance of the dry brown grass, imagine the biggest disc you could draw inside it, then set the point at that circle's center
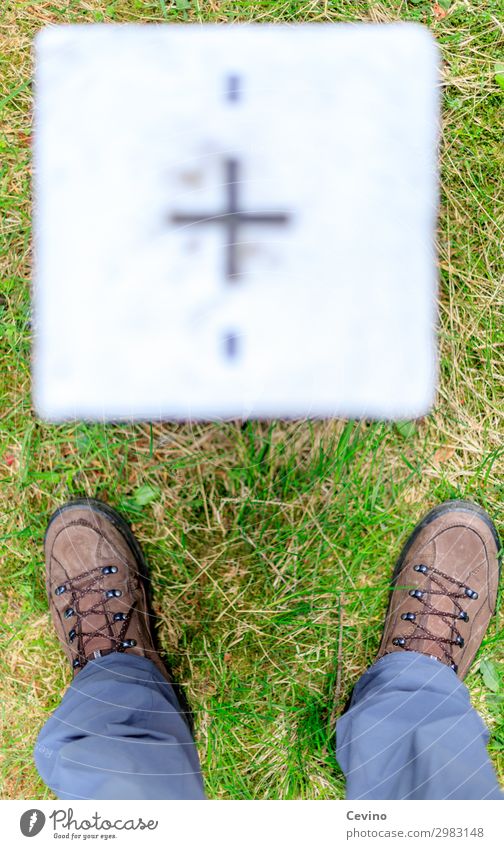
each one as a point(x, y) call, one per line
point(270, 550)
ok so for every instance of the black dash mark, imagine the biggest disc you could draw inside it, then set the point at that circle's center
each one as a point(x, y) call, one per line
point(231, 346)
point(234, 88)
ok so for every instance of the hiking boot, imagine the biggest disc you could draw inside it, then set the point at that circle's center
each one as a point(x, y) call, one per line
point(95, 579)
point(445, 586)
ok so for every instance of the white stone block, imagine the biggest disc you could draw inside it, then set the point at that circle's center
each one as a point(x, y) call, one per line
point(157, 292)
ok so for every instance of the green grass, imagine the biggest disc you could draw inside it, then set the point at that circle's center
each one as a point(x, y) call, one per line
point(270, 544)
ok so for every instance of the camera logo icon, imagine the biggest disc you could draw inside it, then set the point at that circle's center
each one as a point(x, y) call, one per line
point(32, 822)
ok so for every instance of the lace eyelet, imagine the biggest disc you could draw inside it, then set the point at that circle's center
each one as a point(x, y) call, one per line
point(463, 616)
point(109, 570)
point(119, 617)
point(113, 593)
point(72, 635)
point(399, 641)
point(471, 593)
point(59, 590)
point(416, 593)
point(421, 568)
point(409, 617)
point(69, 612)
point(128, 644)
point(76, 663)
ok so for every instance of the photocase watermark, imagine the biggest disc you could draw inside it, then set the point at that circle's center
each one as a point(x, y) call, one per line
point(65, 820)
point(66, 825)
point(32, 822)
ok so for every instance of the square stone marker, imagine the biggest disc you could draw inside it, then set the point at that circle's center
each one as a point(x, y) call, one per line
point(235, 221)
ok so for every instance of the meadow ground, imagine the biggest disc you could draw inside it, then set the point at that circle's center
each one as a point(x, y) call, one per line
point(271, 545)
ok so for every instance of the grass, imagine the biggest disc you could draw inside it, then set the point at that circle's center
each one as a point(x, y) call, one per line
point(270, 544)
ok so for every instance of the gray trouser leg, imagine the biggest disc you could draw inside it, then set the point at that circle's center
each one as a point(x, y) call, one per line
point(411, 733)
point(119, 734)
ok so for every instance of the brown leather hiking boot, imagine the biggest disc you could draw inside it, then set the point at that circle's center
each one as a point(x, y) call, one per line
point(95, 578)
point(445, 586)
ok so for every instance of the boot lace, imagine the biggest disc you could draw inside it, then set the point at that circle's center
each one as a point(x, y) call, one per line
point(455, 591)
point(80, 586)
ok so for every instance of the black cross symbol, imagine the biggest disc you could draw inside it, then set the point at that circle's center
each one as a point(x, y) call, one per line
point(232, 217)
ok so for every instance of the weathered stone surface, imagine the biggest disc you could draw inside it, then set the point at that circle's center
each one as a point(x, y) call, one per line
point(329, 310)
